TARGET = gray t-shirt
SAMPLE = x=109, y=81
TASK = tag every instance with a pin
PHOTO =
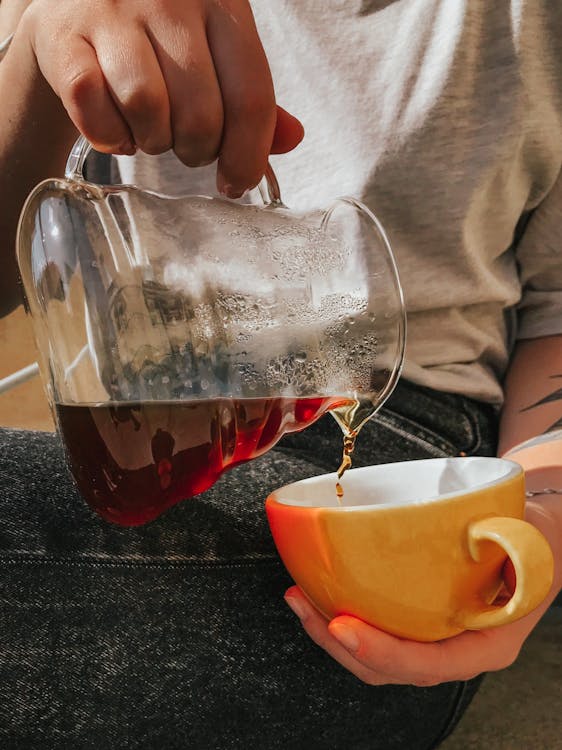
x=444, y=117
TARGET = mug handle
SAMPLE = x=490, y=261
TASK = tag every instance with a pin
x=74, y=170
x=532, y=560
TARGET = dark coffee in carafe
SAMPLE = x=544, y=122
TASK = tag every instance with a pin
x=132, y=461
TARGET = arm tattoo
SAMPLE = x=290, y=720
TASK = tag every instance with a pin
x=556, y=395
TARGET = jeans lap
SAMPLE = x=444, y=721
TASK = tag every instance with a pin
x=175, y=634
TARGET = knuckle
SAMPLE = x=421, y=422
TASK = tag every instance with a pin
x=193, y=156
x=140, y=102
x=81, y=85
x=155, y=145
x=188, y=159
x=199, y=125
x=197, y=137
x=192, y=159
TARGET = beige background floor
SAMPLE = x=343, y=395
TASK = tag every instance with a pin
x=517, y=709
x=24, y=406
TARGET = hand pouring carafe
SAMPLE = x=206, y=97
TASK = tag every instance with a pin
x=179, y=337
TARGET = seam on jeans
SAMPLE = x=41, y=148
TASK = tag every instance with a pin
x=463, y=437
x=423, y=442
x=476, y=431
x=83, y=561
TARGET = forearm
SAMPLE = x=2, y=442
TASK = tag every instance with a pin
x=533, y=392
x=35, y=137
x=533, y=407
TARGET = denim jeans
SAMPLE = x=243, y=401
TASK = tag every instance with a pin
x=175, y=635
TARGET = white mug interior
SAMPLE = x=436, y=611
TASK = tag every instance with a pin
x=402, y=483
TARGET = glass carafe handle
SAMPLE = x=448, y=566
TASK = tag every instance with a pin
x=74, y=170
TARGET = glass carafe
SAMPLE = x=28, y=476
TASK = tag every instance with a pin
x=180, y=336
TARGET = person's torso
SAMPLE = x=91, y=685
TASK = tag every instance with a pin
x=444, y=117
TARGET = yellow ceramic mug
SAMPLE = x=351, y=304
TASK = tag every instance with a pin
x=416, y=548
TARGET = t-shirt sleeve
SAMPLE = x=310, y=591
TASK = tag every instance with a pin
x=539, y=256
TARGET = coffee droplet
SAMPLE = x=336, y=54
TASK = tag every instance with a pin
x=348, y=446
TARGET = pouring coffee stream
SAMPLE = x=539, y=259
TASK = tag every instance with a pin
x=348, y=448
x=181, y=336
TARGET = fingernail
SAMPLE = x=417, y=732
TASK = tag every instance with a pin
x=298, y=607
x=228, y=190
x=231, y=192
x=222, y=187
x=346, y=636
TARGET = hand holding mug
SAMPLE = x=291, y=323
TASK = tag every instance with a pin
x=400, y=589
